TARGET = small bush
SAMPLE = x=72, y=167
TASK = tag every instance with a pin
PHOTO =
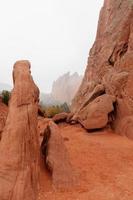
x=5, y=96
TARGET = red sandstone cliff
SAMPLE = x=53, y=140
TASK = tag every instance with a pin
x=109, y=72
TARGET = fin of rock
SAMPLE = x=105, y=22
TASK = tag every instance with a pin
x=57, y=158
x=19, y=147
x=111, y=64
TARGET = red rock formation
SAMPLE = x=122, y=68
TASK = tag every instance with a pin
x=3, y=115
x=42, y=125
x=60, y=117
x=19, y=150
x=111, y=64
x=65, y=87
x=57, y=158
x=95, y=114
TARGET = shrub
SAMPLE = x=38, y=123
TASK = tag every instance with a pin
x=5, y=96
x=51, y=111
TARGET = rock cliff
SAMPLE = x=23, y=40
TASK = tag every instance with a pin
x=19, y=147
x=109, y=71
x=63, y=90
x=65, y=87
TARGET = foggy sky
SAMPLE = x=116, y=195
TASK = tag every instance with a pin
x=54, y=35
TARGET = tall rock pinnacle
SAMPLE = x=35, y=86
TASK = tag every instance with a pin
x=19, y=148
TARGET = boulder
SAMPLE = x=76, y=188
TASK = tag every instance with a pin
x=19, y=147
x=97, y=91
x=61, y=117
x=96, y=114
x=57, y=158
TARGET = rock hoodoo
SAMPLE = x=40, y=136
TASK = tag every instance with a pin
x=109, y=71
x=19, y=147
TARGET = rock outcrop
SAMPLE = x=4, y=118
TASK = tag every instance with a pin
x=19, y=147
x=57, y=158
x=95, y=115
x=63, y=90
x=110, y=64
x=3, y=116
x=65, y=87
x=42, y=125
x=61, y=117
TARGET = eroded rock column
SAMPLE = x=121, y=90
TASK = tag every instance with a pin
x=19, y=147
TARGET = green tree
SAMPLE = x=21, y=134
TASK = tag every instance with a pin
x=65, y=107
x=5, y=96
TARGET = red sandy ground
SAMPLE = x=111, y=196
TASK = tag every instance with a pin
x=103, y=161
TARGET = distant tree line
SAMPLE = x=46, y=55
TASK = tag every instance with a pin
x=51, y=110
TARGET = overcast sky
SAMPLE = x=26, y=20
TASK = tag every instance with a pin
x=54, y=35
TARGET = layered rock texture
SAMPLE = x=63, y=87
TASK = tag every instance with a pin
x=109, y=74
x=19, y=147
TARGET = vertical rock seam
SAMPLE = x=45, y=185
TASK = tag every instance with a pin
x=19, y=147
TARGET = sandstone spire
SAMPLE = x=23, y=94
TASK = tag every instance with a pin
x=19, y=150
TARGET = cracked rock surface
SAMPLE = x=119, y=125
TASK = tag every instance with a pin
x=110, y=64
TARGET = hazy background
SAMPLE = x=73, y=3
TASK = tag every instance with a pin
x=55, y=35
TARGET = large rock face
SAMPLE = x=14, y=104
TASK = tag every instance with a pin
x=111, y=64
x=65, y=87
x=63, y=90
x=19, y=151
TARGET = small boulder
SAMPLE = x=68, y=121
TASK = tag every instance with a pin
x=61, y=117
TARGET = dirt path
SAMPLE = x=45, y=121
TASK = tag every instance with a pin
x=103, y=162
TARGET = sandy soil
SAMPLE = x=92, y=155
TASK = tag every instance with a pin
x=103, y=162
